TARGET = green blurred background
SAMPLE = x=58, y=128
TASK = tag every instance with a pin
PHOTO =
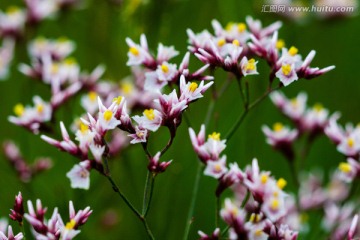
x=99, y=31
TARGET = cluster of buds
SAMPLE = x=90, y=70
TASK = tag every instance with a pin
x=231, y=48
x=24, y=170
x=51, y=65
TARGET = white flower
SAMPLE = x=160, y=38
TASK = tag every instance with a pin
x=89, y=103
x=166, y=71
x=79, y=175
x=140, y=135
x=107, y=120
x=216, y=168
x=97, y=151
x=287, y=73
x=165, y=53
x=191, y=91
x=248, y=67
x=280, y=134
x=150, y=120
x=350, y=145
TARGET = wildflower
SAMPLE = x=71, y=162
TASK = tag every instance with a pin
x=79, y=175
x=166, y=71
x=248, y=67
x=158, y=167
x=216, y=169
x=350, y=145
x=287, y=73
x=107, y=120
x=280, y=134
x=139, y=54
x=140, y=135
x=150, y=120
x=165, y=53
x=191, y=91
x=89, y=102
x=39, y=10
x=12, y=22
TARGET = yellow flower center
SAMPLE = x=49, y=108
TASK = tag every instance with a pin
x=258, y=233
x=127, y=87
x=108, y=115
x=62, y=39
x=281, y=183
x=345, y=167
x=83, y=127
x=19, y=109
x=221, y=42
x=92, y=96
x=254, y=217
x=280, y=44
x=217, y=168
x=214, y=136
x=234, y=211
x=12, y=10
x=40, y=108
x=318, y=107
x=134, y=51
x=70, y=225
x=193, y=86
x=164, y=68
x=70, y=61
x=140, y=134
x=278, y=127
x=250, y=66
x=241, y=27
x=54, y=68
x=293, y=51
x=229, y=26
x=264, y=178
x=275, y=204
x=118, y=100
x=149, y=114
x=236, y=42
x=286, y=69
x=350, y=142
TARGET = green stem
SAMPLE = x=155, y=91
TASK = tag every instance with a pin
x=248, y=107
x=193, y=201
x=217, y=211
x=22, y=229
x=148, y=192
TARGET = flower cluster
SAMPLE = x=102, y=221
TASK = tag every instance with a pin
x=265, y=212
x=51, y=65
x=307, y=120
x=231, y=48
x=42, y=228
x=158, y=71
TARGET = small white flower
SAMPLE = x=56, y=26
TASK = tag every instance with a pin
x=166, y=71
x=216, y=168
x=150, y=120
x=248, y=67
x=287, y=73
x=79, y=175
